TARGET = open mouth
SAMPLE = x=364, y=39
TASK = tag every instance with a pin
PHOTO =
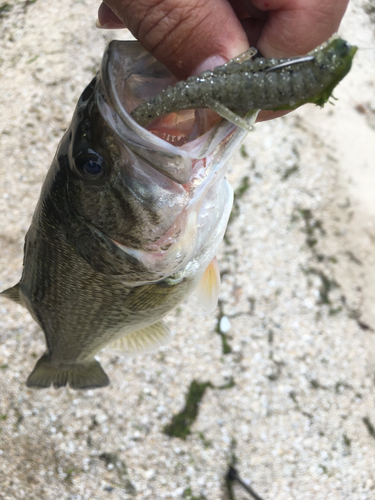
x=183, y=126
x=131, y=76
x=190, y=147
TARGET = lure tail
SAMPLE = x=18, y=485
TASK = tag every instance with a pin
x=89, y=375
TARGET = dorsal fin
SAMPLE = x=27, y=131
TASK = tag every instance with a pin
x=13, y=294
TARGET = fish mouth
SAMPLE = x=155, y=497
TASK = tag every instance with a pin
x=132, y=76
x=189, y=148
x=170, y=144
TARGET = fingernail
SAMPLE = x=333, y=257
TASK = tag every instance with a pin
x=109, y=26
x=209, y=63
x=100, y=26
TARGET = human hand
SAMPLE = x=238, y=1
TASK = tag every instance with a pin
x=190, y=36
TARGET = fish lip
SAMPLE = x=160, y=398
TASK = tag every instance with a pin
x=170, y=160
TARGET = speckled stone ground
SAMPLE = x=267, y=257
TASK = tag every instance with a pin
x=290, y=377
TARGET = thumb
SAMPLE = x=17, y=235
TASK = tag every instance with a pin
x=183, y=34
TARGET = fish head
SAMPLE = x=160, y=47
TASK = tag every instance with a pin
x=110, y=186
x=158, y=195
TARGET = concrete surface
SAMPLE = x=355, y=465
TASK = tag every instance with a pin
x=290, y=384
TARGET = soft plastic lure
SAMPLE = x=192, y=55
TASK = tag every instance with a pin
x=242, y=86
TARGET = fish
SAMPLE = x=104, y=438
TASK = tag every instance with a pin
x=130, y=217
x=126, y=226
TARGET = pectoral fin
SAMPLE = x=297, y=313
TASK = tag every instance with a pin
x=13, y=294
x=88, y=375
x=208, y=288
x=143, y=340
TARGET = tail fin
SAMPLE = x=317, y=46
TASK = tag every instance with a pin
x=12, y=294
x=88, y=375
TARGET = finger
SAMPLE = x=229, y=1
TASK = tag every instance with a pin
x=292, y=27
x=253, y=11
x=264, y=116
x=183, y=34
x=253, y=28
x=107, y=19
x=295, y=27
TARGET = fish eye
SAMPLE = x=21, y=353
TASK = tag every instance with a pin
x=92, y=167
x=90, y=164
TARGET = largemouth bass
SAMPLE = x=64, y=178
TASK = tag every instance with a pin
x=129, y=220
